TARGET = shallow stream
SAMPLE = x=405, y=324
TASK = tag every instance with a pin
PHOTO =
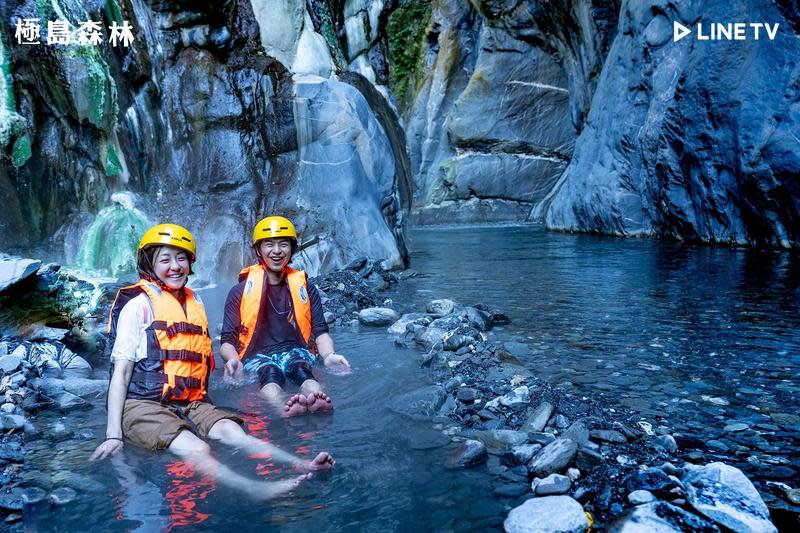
x=693, y=338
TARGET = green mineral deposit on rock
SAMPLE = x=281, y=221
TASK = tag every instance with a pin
x=21, y=151
x=111, y=162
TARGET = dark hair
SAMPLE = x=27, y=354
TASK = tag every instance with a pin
x=145, y=260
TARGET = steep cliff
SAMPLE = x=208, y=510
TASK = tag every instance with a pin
x=210, y=119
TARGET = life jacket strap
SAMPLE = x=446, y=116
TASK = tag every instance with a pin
x=181, y=355
x=178, y=327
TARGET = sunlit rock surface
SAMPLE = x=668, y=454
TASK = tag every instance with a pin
x=206, y=121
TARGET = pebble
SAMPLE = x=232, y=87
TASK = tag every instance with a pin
x=639, y=497
x=561, y=422
x=573, y=474
x=537, y=417
x=467, y=394
x=554, y=457
x=470, y=453
x=717, y=445
x=733, y=428
x=666, y=443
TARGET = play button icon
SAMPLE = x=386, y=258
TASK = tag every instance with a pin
x=679, y=31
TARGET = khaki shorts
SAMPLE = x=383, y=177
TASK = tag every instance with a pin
x=154, y=426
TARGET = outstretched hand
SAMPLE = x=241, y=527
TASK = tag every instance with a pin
x=233, y=370
x=337, y=363
x=106, y=449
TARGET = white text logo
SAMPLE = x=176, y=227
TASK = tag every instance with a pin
x=726, y=31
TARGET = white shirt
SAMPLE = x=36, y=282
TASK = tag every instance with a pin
x=132, y=323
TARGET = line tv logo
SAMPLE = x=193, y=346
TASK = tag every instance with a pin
x=726, y=31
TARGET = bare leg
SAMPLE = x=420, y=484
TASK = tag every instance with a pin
x=293, y=406
x=191, y=448
x=230, y=433
x=317, y=400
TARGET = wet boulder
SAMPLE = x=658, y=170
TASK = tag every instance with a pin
x=470, y=453
x=552, y=485
x=725, y=495
x=419, y=404
x=14, y=270
x=546, y=515
x=554, y=457
x=440, y=308
x=377, y=316
x=400, y=326
x=10, y=363
x=661, y=517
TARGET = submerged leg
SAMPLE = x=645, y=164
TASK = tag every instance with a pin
x=231, y=433
x=192, y=449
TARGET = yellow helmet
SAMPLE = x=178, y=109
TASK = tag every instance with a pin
x=169, y=234
x=272, y=227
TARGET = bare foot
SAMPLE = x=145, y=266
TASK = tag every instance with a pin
x=322, y=461
x=273, y=489
x=295, y=406
x=318, y=402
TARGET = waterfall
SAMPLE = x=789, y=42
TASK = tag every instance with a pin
x=109, y=245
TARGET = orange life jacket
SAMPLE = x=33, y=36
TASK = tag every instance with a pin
x=179, y=358
x=254, y=298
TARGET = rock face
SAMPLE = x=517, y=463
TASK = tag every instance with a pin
x=204, y=102
x=725, y=495
x=547, y=514
x=601, y=122
x=688, y=139
x=477, y=162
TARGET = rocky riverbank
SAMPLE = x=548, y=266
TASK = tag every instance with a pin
x=562, y=461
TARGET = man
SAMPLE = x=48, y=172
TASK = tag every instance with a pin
x=161, y=360
x=274, y=324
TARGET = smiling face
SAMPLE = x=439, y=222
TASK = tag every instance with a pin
x=276, y=253
x=172, y=267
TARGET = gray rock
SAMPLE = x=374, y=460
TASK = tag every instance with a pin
x=3, y=348
x=524, y=452
x=519, y=396
x=400, y=326
x=429, y=337
x=420, y=404
x=725, y=495
x=573, y=474
x=15, y=269
x=330, y=318
x=733, y=428
x=86, y=387
x=377, y=316
x=11, y=501
x=510, y=490
x=49, y=386
x=639, y=497
x=63, y=495
x=8, y=408
x=561, y=422
x=45, y=333
x=553, y=484
x=547, y=515
x=660, y=517
x=470, y=453
x=467, y=394
x=448, y=407
x=502, y=439
x=666, y=443
x=541, y=438
x=537, y=417
x=477, y=319
x=11, y=422
x=577, y=432
x=440, y=308
x=10, y=363
x=75, y=365
x=12, y=452
x=554, y=457
x=608, y=435
x=33, y=495
x=66, y=401
x=587, y=460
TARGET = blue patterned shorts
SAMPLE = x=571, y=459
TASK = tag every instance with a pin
x=296, y=364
